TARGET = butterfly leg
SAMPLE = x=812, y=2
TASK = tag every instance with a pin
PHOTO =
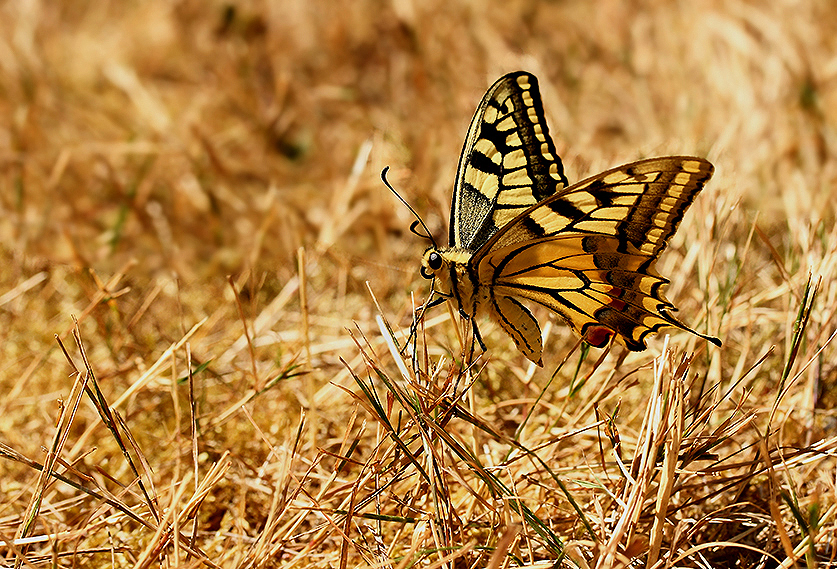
x=477, y=339
x=414, y=326
x=477, y=335
x=436, y=301
x=430, y=304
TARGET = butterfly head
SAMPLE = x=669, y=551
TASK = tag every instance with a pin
x=436, y=264
x=448, y=267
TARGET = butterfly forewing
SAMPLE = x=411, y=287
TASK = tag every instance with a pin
x=641, y=204
x=508, y=162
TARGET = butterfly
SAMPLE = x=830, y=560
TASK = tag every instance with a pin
x=586, y=251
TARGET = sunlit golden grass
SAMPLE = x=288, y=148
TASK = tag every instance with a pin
x=197, y=184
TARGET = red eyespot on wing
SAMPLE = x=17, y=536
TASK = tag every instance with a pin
x=598, y=336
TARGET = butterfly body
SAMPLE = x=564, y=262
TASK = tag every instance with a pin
x=519, y=231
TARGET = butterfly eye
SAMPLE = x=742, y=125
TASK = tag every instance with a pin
x=434, y=263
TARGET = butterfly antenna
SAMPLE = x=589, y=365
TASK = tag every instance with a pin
x=418, y=221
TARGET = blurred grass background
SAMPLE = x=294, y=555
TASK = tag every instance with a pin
x=150, y=150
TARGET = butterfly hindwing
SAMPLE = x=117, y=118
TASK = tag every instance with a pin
x=508, y=162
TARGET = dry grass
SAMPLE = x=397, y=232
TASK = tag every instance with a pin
x=150, y=150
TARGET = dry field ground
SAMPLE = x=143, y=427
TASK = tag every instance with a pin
x=203, y=281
